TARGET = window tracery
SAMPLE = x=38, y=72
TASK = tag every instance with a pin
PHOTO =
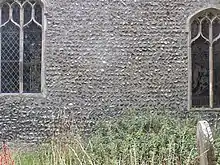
x=21, y=30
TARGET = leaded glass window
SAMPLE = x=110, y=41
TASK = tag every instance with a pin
x=20, y=46
x=204, y=48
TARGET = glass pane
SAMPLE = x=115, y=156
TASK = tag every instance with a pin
x=10, y=77
x=32, y=58
x=216, y=85
x=21, y=1
x=216, y=28
x=5, y=13
x=200, y=73
x=10, y=42
x=211, y=15
x=16, y=13
x=27, y=12
x=10, y=58
x=32, y=1
x=194, y=28
x=205, y=28
x=38, y=13
x=10, y=1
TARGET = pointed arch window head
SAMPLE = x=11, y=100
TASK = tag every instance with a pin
x=204, y=59
x=21, y=32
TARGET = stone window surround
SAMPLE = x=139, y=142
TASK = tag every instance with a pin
x=44, y=4
x=188, y=30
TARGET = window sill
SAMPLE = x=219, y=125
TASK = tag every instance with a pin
x=204, y=109
x=23, y=94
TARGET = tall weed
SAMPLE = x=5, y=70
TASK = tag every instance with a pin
x=132, y=139
x=144, y=139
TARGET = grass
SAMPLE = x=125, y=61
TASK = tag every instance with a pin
x=132, y=139
x=146, y=138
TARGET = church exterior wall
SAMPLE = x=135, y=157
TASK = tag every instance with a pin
x=101, y=58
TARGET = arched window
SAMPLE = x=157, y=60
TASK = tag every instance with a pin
x=21, y=39
x=204, y=59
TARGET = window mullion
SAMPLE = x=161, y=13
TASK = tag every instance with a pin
x=211, y=67
x=189, y=71
x=21, y=55
x=42, y=81
x=0, y=51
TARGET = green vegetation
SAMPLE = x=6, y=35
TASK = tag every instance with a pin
x=133, y=139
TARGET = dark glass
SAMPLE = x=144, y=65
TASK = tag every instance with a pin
x=32, y=1
x=200, y=73
x=216, y=28
x=194, y=28
x=38, y=13
x=10, y=1
x=210, y=15
x=216, y=62
x=27, y=12
x=5, y=13
x=21, y=1
x=205, y=28
x=16, y=13
x=32, y=58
